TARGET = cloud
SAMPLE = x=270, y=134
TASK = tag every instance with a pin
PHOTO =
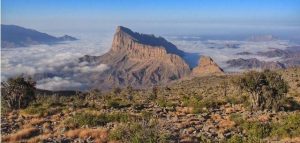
x=59, y=83
x=222, y=50
x=59, y=60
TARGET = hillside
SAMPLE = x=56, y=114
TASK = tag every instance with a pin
x=201, y=109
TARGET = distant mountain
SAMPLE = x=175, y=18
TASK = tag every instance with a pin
x=254, y=63
x=139, y=60
x=244, y=53
x=207, y=66
x=262, y=38
x=274, y=53
x=15, y=36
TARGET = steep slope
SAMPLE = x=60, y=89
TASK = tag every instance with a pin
x=13, y=36
x=206, y=66
x=138, y=60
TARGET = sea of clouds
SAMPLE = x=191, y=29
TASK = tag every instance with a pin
x=60, y=61
x=57, y=67
x=224, y=50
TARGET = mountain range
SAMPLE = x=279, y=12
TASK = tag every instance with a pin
x=289, y=57
x=13, y=36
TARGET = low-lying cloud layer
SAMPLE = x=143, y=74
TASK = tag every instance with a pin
x=55, y=66
x=224, y=50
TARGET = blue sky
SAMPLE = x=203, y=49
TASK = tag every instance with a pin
x=146, y=15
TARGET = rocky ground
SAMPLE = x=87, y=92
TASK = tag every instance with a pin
x=196, y=110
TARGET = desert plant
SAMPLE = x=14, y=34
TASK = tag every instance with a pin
x=18, y=92
x=266, y=89
x=287, y=127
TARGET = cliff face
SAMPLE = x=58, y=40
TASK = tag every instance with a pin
x=139, y=60
x=206, y=66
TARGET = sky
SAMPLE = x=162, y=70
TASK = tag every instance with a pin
x=181, y=16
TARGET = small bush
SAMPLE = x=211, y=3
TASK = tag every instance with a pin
x=287, y=127
x=235, y=139
x=117, y=103
x=92, y=120
x=256, y=131
x=42, y=109
x=198, y=103
x=137, y=133
x=163, y=102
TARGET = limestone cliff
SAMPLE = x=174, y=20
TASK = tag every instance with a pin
x=139, y=60
x=206, y=66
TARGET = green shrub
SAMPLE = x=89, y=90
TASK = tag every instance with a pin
x=92, y=120
x=198, y=103
x=256, y=131
x=117, y=103
x=18, y=92
x=266, y=89
x=235, y=139
x=288, y=126
x=42, y=109
x=164, y=102
x=137, y=133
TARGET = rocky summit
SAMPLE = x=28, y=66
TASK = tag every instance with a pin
x=139, y=60
x=207, y=66
x=142, y=60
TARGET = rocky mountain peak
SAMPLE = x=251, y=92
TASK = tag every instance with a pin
x=207, y=66
x=148, y=45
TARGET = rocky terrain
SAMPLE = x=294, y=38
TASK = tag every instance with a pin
x=142, y=60
x=15, y=36
x=203, y=109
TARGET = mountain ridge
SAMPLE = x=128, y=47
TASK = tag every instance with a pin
x=13, y=36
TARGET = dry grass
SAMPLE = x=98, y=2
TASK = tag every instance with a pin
x=39, y=138
x=98, y=134
x=21, y=135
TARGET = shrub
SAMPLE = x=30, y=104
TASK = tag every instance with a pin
x=42, y=109
x=137, y=133
x=235, y=139
x=117, y=103
x=92, y=120
x=18, y=92
x=287, y=127
x=198, y=103
x=164, y=102
x=256, y=131
x=266, y=89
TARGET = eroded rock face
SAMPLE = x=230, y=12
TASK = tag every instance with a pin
x=139, y=60
x=206, y=66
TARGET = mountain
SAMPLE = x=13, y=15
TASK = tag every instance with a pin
x=207, y=66
x=274, y=53
x=262, y=38
x=13, y=36
x=138, y=60
x=254, y=63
